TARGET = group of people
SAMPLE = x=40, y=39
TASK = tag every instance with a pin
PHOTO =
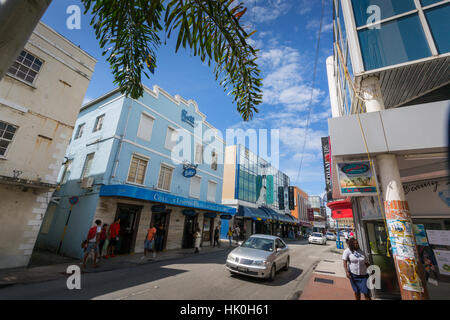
x=101, y=240
x=234, y=233
x=154, y=240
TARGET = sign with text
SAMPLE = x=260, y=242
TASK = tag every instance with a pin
x=326, y=153
x=356, y=178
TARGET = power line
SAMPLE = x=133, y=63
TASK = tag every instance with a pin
x=312, y=90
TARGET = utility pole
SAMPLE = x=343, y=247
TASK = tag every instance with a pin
x=18, y=20
x=410, y=273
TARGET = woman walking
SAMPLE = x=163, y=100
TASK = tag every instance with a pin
x=197, y=240
x=355, y=266
x=230, y=234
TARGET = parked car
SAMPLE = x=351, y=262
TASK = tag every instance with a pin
x=330, y=236
x=317, y=237
x=260, y=256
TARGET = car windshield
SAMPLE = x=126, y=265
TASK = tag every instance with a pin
x=330, y=234
x=317, y=235
x=258, y=243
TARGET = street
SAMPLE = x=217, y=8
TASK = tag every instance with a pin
x=196, y=277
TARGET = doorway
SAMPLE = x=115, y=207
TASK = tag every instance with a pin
x=158, y=219
x=129, y=216
x=208, y=227
x=190, y=224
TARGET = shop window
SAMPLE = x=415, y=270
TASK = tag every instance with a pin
x=26, y=67
x=7, y=132
x=396, y=42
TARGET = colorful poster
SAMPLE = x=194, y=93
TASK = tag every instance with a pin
x=356, y=179
x=420, y=234
x=409, y=277
x=443, y=261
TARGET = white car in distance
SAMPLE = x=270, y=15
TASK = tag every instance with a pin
x=317, y=237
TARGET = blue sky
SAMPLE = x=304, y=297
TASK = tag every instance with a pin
x=287, y=37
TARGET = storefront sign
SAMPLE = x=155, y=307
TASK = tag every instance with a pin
x=443, y=261
x=439, y=237
x=431, y=197
x=326, y=153
x=356, y=179
x=188, y=119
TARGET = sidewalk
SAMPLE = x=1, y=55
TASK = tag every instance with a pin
x=15, y=276
x=328, y=282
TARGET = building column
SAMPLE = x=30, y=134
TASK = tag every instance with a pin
x=409, y=270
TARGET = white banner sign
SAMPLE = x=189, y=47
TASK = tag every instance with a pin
x=439, y=237
x=443, y=261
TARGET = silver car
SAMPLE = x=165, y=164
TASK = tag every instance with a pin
x=260, y=256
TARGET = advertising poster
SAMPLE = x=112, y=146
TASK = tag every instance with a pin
x=356, y=179
x=408, y=274
x=443, y=261
x=420, y=234
x=439, y=237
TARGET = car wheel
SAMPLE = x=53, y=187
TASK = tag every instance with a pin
x=273, y=271
x=286, y=267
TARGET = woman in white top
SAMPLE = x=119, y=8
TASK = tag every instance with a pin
x=197, y=240
x=355, y=266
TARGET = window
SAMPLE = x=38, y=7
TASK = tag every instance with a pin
x=437, y=18
x=87, y=165
x=170, y=138
x=66, y=172
x=165, y=177
x=198, y=153
x=195, y=187
x=26, y=67
x=7, y=132
x=145, y=127
x=79, y=132
x=99, y=123
x=388, y=8
x=212, y=187
x=214, y=157
x=138, y=168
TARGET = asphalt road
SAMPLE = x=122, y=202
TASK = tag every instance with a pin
x=197, y=277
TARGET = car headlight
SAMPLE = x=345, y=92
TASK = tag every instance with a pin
x=231, y=257
x=260, y=263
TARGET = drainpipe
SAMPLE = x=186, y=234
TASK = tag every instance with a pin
x=116, y=157
x=410, y=273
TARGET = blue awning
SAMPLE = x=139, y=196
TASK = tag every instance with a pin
x=252, y=213
x=226, y=216
x=272, y=214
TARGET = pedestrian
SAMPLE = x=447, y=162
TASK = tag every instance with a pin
x=216, y=237
x=160, y=232
x=113, y=238
x=149, y=241
x=103, y=239
x=93, y=240
x=236, y=233
x=230, y=234
x=355, y=266
x=197, y=240
x=352, y=235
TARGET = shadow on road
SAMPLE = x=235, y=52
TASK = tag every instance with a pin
x=282, y=277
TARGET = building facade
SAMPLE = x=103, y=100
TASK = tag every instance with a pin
x=390, y=101
x=40, y=98
x=144, y=162
x=258, y=191
x=317, y=205
x=300, y=212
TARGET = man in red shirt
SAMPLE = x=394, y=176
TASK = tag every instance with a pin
x=149, y=241
x=114, y=237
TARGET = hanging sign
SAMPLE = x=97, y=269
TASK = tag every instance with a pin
x=269, y=189
x=189, y=170
x=356, y=179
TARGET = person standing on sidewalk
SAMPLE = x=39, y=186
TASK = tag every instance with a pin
x=93, y=240
x=230, y=235
x=160, y=238
x=197, y=240
x=103, y=238
x=355, y=266
x=236, y=233
x=113, y=238
x=216, y=237
x=149, y=241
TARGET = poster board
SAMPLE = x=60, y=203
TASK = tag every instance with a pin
x=443, y=261
x=356, y=178
x=439, y=237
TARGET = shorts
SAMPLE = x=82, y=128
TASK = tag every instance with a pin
x=359, y=283
x=148, y=244
x=113, y=242
x=92, y=246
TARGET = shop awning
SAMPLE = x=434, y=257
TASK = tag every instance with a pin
x=272, y=214
x=252, y=213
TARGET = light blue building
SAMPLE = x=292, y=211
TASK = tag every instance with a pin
x=154, y=160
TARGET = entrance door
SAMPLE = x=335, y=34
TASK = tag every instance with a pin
x=162, y=218
x=377, y=238
x=190, y=223
x=208, y=225
x=129, y=220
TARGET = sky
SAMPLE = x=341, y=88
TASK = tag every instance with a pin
x=286, y=36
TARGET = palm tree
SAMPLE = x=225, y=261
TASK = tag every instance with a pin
x=130, y=32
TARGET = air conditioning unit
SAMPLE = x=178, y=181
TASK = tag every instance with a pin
x=87, y=182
